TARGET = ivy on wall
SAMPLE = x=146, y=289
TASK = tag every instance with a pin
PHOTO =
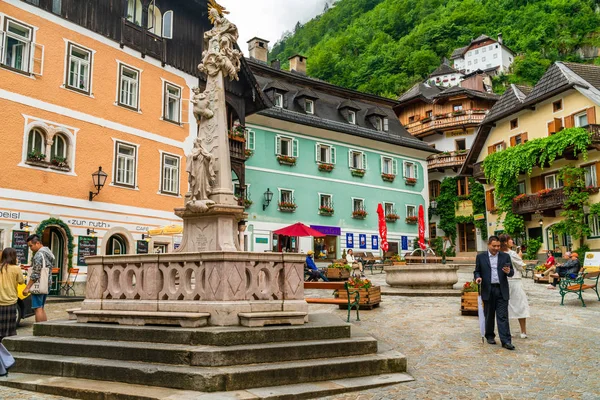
x=60, y=223
x=502, y=169
x=448, y=201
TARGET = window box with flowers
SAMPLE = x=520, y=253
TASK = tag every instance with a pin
x=359, y=214
x=325, y=167
x=388, y=177
x=357, y=172
x=412, y=220
x=478, y=111
x=457, y=113
x=544, y=192
x=468, y=298
x=440, y=116
x=519, y=198
x=397, y=259
x=424, y=120
x=287, y=206
x=248, y=153
x=286, y=160
x=247, y=203
x=59, y=163
x=36, y=158
x=392, y=217
x=326, y=211
x=238, y=132
x=410, y=181
x=592, y=189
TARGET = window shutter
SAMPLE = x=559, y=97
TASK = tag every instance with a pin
x=597, y=172
x=491, y=150
x=332, y=154
x=513, y=141
x=285, y=100
x=381, y=163
x=294, y=147
x=317, y=152
x=416, y=169
x=251, y=140
x=277, y=145
x=551, y=129
x=364, y=161
x=558, y=124
x=167, y=25
x=503, y=145
x=524, y=137
x=537, y=184
x=350, y=165
x=489, y=200
x=37, y=65
x=404, y=170
x=569, y=121
x=1, y=46
x=395, y=167
x=591, y=115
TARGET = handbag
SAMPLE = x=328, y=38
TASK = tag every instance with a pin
x=6, y=360
x=41, y=286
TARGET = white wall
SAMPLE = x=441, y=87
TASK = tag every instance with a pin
x=444, y=143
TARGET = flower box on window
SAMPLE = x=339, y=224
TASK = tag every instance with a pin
x=359, y=214
x=357, y=172
x=392, y=217
x=457, y=113
x=425, y=120
x=410, y=181
x=326, y=210
x=248, y=153
x=286, y=160
x=544, y=192
x=388, y=177
x=325, y=167
x=519, y=198
x=478, y=111
x=287, y=206
x=247, y=203
x=238, y=133
x=591, y=189
x=37, y=159
x=412, y=220
x=59, y=163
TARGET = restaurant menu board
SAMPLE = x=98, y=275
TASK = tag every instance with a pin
x=592, y=261
x=142, y=247
x=19, y=243
x=86, y=246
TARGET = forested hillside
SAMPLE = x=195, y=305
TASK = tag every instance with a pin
x=385, y=46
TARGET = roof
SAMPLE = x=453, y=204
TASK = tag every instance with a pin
x=423, y=90
x=456, y=90
x=513, y=97
x=481, y=38
x=348, y=104
x=306, y=92
x=457, y=53
x=257, y=38
x=375, y=111
x=443, y=69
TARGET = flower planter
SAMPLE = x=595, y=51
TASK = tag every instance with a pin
x=287, y=209
x=369, y=298
x=410, y=181
x=237, y=138
x=248, y=153
x=291, y=163
x=359, y=216
x=326, y=213
x=421, y=276
x=339, y=274
x=37, y=163
x=64, y=168
x=358, y=172
x=325, y=167
x=468, y=303
x=411, y=221
x=247, y=203
x=398, y=262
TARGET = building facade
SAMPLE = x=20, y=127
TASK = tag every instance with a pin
x=329, y=156
x=567, y=96
x=483, y=53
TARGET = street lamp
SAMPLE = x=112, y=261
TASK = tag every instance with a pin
x=268, y=197
x=145, y=237
x=91, y=232
x=433, y=204
x=99, y=179
x=25, y=226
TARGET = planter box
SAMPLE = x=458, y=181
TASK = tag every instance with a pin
x=340, y=274
x=468, y=303
x=410, y=182
x=358, y=172
x=325, y=167
x=369, y=298
x=284, y=162
x=545, y=279
x=237, y=138
x=325, y=213
x=398, y=262
x=36, y=163
x=388, y=178
x=359, y=216
x=287, y=209
x=59, y=168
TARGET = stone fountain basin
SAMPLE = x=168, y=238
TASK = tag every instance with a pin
x=422, y=276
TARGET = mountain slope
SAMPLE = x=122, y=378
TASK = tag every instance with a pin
x=384, y=46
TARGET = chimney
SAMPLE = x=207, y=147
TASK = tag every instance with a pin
x=258, y=49
x=298, y=64
x=276, y=64
x=500, y=38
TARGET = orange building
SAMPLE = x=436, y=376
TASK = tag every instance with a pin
x=111, y=91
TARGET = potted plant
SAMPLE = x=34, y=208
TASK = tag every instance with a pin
x=286, y=160
x=397, y=259
x=287, y=206
x=59, y=163
x=326, y=210
x=457, y=113
x=388, y=177
x=424, y=120
x=338, y=271
x=369, y=295
x=544, y=192
x=359, y=214
x=238, y=132
x=357, y=172
x=392, y=217
x=412, y=220
x=248, y=153
x=410, y=181
x=519, y=198
x=591, y=189
x=36, y=156
x=325, y=167
x=247, y=203
x=468, y=298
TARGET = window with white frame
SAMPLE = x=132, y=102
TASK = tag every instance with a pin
x=36, y=141
x=389, y=165
x=495, y=55
x=594, y=223
x=16, y=43
x=499, y=146
x=286, y=146
x=521, y=188
x=483, y=49
x=457, y=107
x=325, y=200
x=388, y=208
x=79, y=64
x=552, y=182
x=58, y=151
x=134, y=12
x=379, y=123
x=411, y=211
x=172, y=99
x=410, y=170
x=358, y=204
x=325, y=154
x=250, y=139
x=591, y=180
x=581, y=119
x=352, y=117
x=170, y=174
x=309, y=106
x=386, y=125
x=357, y=159
x=129, y=79
x=154, y=20
x=278, y=100
x=125, y=163
x=286, y=196
x=240, y=191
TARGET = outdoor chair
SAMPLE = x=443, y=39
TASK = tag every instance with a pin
x=67, y=284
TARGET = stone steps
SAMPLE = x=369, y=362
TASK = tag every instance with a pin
x=211, y=379
x=193, y=355
x=92, y=389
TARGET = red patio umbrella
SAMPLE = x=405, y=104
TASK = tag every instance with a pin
x=298, y=229
x=382, y=228
x=421, y=227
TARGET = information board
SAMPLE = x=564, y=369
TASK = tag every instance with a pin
x=86, y=246
x=19, y=243
x=592, y=261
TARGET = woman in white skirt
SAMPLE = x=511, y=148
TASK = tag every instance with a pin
x=518, y=306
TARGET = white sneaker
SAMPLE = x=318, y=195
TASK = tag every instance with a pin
x=523, y=336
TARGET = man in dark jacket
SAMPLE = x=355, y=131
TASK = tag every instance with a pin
x=492, y=270
x=570, y=267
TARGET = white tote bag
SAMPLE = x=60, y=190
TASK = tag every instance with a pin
x=41, y=286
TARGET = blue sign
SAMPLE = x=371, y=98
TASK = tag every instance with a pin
x=375, y=242
x=350, y=240
x=328, y=230
x=362, y=240
x=404, y=242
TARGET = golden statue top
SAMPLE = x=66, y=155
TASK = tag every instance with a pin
x=212, y=4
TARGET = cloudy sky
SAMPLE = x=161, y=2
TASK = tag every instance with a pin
x=268, y=19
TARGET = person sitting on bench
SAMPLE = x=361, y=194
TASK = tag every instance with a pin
x=354, y=263
x=314, y=272
x=570, y=267
x=550, y=266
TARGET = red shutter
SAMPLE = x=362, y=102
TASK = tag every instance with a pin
x=491, y=150
x=591, y=115
x=558, y=125
x=569, y=121
x=513, y=141
x=524, y=137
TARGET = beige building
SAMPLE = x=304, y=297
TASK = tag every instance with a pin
x=568, y=95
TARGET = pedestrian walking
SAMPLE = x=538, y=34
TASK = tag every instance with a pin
x=518, y=305
x=42, y=258
x=492, y=270
x=10, y=278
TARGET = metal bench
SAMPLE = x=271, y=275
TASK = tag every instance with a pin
x=335, y=286
x=578, y=285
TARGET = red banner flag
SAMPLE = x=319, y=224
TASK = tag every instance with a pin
x=382, y=228
x=421, y=227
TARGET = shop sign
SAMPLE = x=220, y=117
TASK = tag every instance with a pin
x=19, y=243
x=464, y=208
x=375, y=242
x=142, y=247
x=404, y=242
x=362, y=240
x=262, y=240
x=592, y=260
x=10, y=215
x=350, y=240
x=478, y=217
x=328, y=230
x=86, y=246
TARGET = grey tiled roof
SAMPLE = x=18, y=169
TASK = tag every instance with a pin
x=423, y=90
x=276, y=85
x=552, y=80
x=454, y=90
x=589, y=73
x=443, y=69
x=348, y=104
x=480, y=38
x=457, y=53
x=511, y=100
x=306, y=92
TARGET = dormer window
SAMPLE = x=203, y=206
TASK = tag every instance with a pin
x=379, y=123
x=386, y=124
x=352, y=117
x=309, y=106
x=278, y=100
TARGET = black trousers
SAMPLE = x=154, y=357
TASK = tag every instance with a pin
x=496, y=308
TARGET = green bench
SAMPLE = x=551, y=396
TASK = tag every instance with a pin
x=338, y=301
x=578, y=285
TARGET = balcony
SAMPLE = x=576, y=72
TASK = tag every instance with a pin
x=440, y=162
x=446, y=121
x=142, y=40
x=552, y=200
x=237, y=149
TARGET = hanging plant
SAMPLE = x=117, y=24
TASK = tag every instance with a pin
x=60, y=223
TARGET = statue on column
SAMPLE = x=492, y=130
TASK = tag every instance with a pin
x=201, y=176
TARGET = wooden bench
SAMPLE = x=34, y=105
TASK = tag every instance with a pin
x=341, y=302
x=578, y=285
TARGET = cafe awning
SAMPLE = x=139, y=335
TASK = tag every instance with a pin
x=166, y=230
x=298, y=229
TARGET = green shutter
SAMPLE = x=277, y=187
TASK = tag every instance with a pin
x=277, y=145
x=364, y=158
x=294, y=148
x=250, y=140
x=394, y=166
x=332, y=154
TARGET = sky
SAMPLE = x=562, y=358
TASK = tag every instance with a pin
x=269, y=19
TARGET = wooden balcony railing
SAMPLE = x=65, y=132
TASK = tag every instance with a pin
x=595, y=131
x=447, y=121
x=236, y=148
x=442, y=161
x=141, y=39
x=553, y=200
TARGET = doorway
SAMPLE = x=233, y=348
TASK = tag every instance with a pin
x=53, y=238
x=116, y=245
x=466, y=238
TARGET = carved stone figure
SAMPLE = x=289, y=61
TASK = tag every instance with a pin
x=201, y=105
x=201, y=176
x=220, y=53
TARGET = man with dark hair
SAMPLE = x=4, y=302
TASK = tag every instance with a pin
x=41, y=255
x=492, y=270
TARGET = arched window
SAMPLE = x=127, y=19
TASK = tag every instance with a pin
x=134, y=11
x=116, y=246
x=59, y=148
x=154, y=20
x=36, y=142
x=434, y=189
